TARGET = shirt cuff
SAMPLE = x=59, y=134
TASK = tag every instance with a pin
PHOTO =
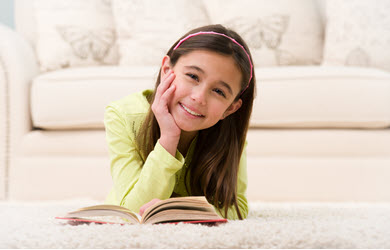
x=164, y=155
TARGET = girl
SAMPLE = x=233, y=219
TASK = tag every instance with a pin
x=186, y=137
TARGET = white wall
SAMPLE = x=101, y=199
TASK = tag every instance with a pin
x=7, y=13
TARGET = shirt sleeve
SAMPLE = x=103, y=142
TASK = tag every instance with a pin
x=242, y=183
x=137, y=182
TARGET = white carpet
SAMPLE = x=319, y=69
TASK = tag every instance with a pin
x=270, y=225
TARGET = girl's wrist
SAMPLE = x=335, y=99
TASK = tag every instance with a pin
x=170, y=143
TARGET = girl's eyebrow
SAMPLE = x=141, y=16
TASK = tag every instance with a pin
x=202, y=71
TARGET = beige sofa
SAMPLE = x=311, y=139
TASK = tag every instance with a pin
x=319, y=130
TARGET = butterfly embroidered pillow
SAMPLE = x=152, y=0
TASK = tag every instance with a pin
x=358, y=33
x=74, y=33
x=148, y=28
x=278, y=32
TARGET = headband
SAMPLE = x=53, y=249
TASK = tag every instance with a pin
x=233, y=40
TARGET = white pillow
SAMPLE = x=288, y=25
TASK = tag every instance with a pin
x=74, y=33
x=358, y=33
x=278, y=32
x=147, y=28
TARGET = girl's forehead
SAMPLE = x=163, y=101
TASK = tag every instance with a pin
x=209, y=60
x=199, y=54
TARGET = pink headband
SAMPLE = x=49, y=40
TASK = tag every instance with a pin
x=215, y=33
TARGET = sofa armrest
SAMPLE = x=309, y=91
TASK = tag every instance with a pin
x=18, y=66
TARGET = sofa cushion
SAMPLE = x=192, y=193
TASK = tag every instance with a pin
x=74, y=33
x=285, y=32
x=76, y=98
x=152, y=27
x=287, y=97
x=358, y=33
x=322, y=97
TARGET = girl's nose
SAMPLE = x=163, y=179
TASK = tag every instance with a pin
x=199, y=95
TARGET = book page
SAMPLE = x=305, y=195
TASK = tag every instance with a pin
x=189, y=201
x=95, y=219
x=85, y=213
x=175, y=215
x=187, y=205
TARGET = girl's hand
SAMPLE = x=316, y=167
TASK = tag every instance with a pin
x=146, y=205
x=170, y=132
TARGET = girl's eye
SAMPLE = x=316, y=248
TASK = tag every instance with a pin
x=220, y=92
x=195, y=77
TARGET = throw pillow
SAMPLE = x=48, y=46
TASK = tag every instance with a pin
x=74, y=33
x=358, y=33
x=147, y=28
x=279, y=32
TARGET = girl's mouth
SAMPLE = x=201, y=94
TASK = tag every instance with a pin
x=190, y=111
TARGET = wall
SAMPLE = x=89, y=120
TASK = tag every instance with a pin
x=7, y=13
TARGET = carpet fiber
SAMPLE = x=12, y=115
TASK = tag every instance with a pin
x=269, y=225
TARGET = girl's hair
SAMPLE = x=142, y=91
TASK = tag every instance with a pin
x=216, y=158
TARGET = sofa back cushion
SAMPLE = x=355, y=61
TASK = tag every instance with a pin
x=358, y=34
x=69, y=33
x=74, y=33
x=278, y=32
x=148, y=28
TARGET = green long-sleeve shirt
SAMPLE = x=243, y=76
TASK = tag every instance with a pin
x=136, y=181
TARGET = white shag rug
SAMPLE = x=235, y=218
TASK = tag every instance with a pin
x=269, y=225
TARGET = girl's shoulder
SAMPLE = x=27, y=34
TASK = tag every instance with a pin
x=133, y=104
x=127, y=113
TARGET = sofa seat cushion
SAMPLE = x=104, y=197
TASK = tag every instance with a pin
x=75, y=98
x=322, y=97
x=287, y=97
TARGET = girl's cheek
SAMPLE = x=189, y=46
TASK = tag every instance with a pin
x=179, y=82
x=178, y=77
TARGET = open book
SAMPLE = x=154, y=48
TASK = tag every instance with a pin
x=192, y=209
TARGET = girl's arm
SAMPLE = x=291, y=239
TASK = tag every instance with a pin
x=136, y=182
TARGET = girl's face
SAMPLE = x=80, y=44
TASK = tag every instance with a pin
x=206, y=86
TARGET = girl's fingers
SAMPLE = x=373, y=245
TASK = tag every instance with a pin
x=164, y=85
x=167, y=81
x=168, y=93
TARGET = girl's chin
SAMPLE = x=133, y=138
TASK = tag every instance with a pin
x=187, y=129
x=186, y=126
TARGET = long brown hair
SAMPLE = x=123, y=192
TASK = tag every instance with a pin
x=214, y=168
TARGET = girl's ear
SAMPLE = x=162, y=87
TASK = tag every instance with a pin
x=166, y=65
x=232, y=108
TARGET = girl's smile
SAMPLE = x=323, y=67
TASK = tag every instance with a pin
x=191, y=112
x=207, y=84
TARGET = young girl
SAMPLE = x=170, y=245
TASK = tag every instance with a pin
x=186, y=137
